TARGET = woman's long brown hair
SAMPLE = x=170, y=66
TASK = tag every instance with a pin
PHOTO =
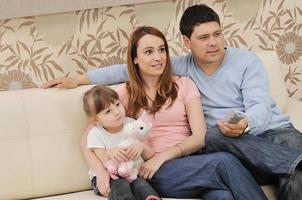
x=167, y=89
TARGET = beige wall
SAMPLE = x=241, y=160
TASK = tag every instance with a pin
x=17, y=8
x=39, y=48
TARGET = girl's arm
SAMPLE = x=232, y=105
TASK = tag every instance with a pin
x=101, y=154
x=96, y=166
x=92, y=160
x=190, y=145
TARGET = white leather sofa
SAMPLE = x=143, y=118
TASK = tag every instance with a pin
x=40, y=132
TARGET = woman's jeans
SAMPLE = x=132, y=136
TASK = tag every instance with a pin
x=270, y=156
x=208, y=176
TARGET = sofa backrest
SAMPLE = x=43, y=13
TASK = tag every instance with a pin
x=39, y=142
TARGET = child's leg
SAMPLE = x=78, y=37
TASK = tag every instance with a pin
x=120, y=190
x=143, y=190
x=94, y=187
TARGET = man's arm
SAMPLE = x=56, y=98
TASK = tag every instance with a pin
x=109, y=75
x=256, y=97
x=67, y=82
x=112, y=74
x=105, y=75
x=181, y=64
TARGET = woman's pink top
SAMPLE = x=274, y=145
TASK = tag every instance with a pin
x=170, y=125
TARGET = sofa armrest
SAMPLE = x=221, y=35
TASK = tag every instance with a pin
x=294, y=110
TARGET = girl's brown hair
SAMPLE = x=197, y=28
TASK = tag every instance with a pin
x=167, y=89
x=98, y=99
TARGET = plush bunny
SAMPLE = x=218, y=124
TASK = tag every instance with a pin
x=134, y=132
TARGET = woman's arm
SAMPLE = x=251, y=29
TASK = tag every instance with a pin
x=139, y=149
x=190, y=145
x=198, y=127
x=148, y=152
x=101, y=154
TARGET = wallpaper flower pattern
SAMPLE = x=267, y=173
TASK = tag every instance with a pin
x=32, y=53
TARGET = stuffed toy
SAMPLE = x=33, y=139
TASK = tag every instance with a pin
x=134, y=132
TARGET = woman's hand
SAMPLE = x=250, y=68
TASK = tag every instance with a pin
x=150, y=167
x=118, y=154
x=135, y=150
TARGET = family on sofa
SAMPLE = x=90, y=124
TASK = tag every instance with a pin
x=196, y=154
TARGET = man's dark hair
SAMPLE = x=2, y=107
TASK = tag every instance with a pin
x=195, y=15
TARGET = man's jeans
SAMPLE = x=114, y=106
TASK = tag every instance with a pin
x=216, y=176
x=274, y=152
x=269, y=156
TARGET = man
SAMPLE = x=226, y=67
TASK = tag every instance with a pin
x=229, y=79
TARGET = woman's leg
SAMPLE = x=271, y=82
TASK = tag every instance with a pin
x=143, y=190
x=191, y=176
x=120, y=190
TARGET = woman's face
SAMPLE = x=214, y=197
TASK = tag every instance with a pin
x=151, y=56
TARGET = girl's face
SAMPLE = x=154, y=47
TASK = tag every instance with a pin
x=112, y=118
x=151, y=56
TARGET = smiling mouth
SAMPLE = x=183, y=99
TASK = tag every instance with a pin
x=214, y=51
x=157, y=66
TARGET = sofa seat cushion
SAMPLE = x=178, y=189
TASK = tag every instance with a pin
x=86, y=195
x=269, y=190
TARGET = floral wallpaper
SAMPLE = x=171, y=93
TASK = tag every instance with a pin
x=39, y=48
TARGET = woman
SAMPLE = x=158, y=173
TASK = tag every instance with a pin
x=178, y=129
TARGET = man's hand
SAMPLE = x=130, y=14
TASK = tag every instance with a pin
x=150, y=167
x=118, y=154
x=67, y=82
x=233, y=130
x=135, y=150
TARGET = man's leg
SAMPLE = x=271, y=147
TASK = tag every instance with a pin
x=289, y=185
x=286, y=136
x=120, y=190
x=262, y=154
x=255, y=152
x=194, y=176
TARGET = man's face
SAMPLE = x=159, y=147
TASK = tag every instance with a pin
x=206, y=44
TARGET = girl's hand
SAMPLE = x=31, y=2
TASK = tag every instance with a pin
x=150, y=167
x=103, y=183
x=118, y=154
x=135, y=150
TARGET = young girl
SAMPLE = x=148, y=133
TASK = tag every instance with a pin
x=106, y=112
